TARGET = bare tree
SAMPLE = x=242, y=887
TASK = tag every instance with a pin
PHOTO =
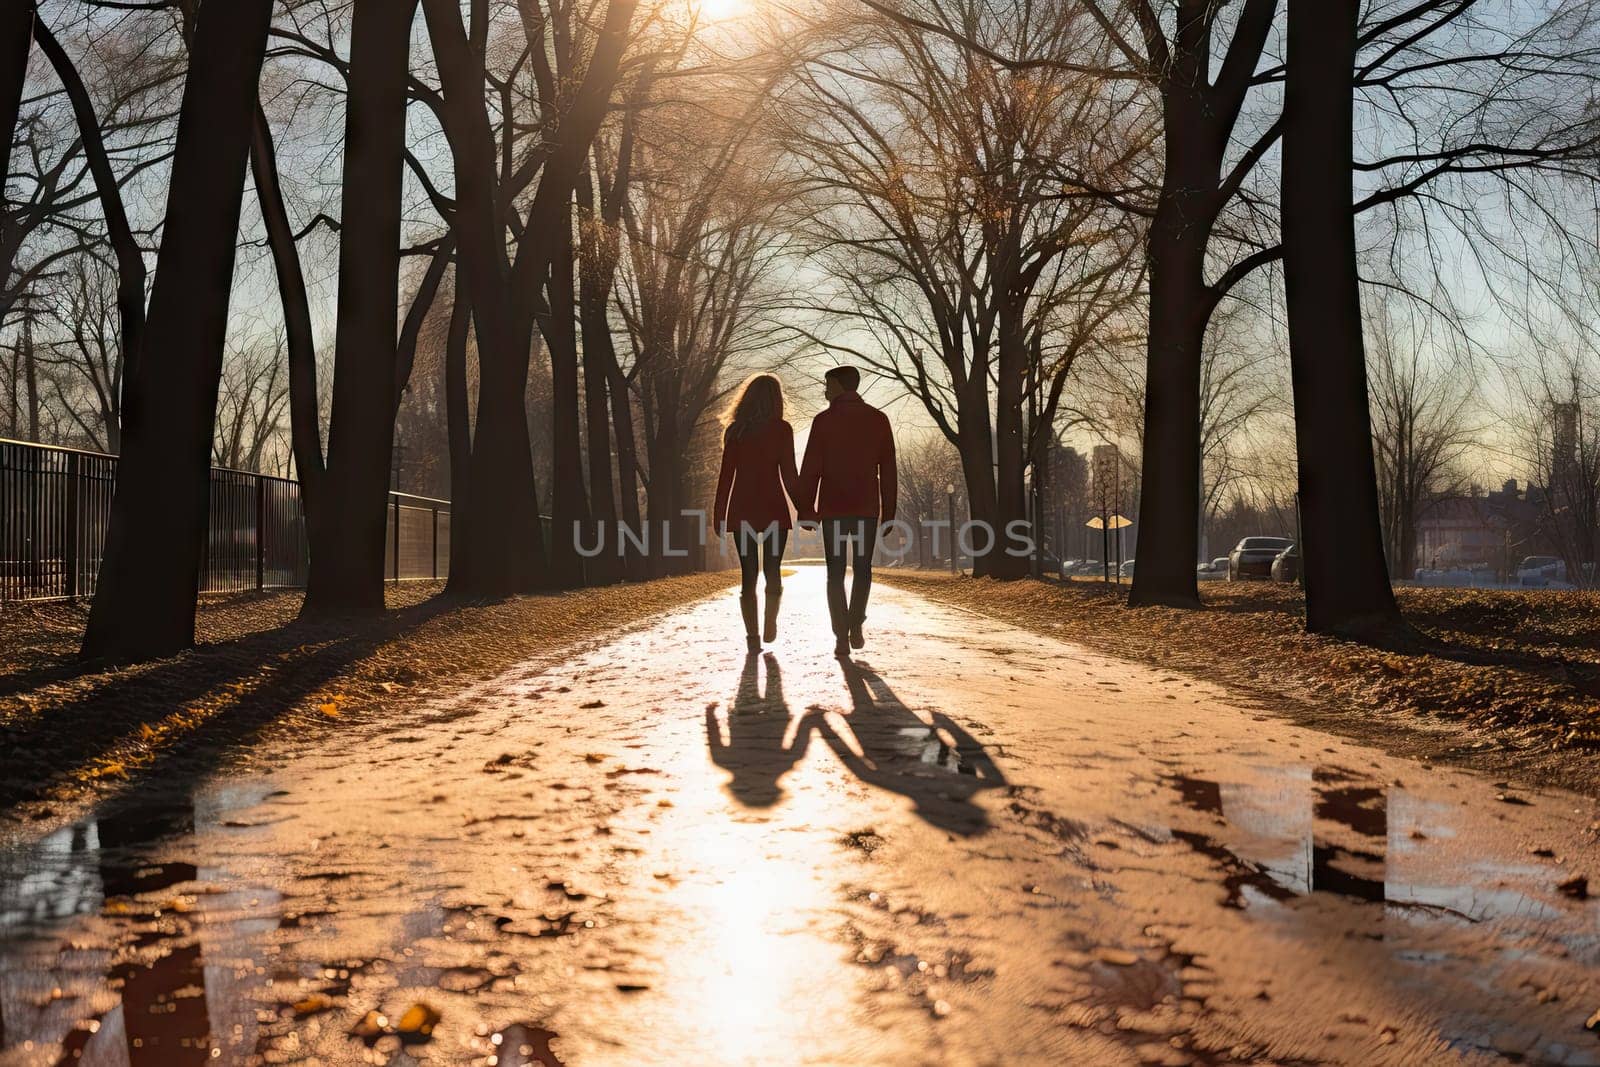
x=929, y=475
x=702, y=242
x=499, y=519
x=89, y=355
x=145, y=600
x=961, y=268
x=1421, y=429
x=252, y=400
x=347, y=524
x=1559, y=438
x=1347, y=584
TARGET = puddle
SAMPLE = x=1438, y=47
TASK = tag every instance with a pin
x=151, y=956
x=1295, y=833
x=934, y=747
x=119, y=944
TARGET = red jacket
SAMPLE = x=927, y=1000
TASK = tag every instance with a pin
x=756, y=470
x=851, y=457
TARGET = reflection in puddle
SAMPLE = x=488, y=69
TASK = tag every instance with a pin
x=1295, y=832
x=160, y=1017
x=935, y=747
x=106, y=942
x=116, y=949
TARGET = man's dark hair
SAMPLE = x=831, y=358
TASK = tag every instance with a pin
x=847, y=377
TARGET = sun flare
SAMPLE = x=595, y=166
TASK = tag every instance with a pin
x=718, y=10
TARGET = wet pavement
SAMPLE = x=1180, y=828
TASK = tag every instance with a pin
x=972, y=846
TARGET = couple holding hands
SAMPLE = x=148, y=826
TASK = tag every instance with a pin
x=846, y=485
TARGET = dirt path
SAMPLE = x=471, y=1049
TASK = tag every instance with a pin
x=973, y=846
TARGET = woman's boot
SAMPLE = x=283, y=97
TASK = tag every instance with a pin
x=769, y=632
x=747, y=608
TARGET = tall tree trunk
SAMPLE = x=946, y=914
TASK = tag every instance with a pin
x=599, y=355
x=633, y=561
x=607, y=567
x=975, y=448
x=502, y=543
x=458, y=427
x=305, y=423
x=16, y=36
x=569, y=505
x=975, y=444
x=1180, y=305
x=30, y=371
x=1011, y=503
x=505, y=540
x=1201, y=101
x=1341, y=552
x=348, y=532
x=670, y=531
x=150, y=573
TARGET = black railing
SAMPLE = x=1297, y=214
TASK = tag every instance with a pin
x=55, y=504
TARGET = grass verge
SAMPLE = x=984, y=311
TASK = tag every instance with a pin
x=1507, y=680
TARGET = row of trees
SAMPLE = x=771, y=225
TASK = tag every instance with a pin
x=599, y=250
x=1256, y=105
x=559, y=228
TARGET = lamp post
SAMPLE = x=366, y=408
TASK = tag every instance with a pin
x=950, y=496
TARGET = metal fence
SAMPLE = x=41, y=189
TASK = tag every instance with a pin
x=55, y=504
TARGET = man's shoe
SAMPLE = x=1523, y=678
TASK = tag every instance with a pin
x=857, y=638
x=841, y=648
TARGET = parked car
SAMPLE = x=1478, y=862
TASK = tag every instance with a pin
x=1252, y=557
x=1215, y=571
x=1127, y=569
x=1541, y=571
x=1286, y=565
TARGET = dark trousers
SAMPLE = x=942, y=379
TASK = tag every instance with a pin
x=858, y=536
x=761, y=550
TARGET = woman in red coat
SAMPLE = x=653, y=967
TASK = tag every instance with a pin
x=757, y=471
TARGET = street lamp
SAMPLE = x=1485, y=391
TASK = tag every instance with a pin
x=950, y=495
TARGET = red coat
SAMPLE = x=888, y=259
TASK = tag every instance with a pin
x=850, y=456
x=756, y=470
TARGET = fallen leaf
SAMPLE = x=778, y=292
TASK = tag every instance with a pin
x=316, y=1002
x=371, y=1026
x=417, y=1023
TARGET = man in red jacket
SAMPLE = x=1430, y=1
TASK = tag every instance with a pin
x=847, y=483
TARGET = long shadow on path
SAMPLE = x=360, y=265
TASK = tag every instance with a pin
x=926, y=757
x=931, y=760
x=764, y=740
x=224, y=694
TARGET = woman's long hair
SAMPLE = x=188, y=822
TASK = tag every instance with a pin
x=760, y=402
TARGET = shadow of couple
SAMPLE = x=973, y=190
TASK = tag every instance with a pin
x=925, y=757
